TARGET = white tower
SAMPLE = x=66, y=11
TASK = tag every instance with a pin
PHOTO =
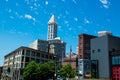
x=52, y=28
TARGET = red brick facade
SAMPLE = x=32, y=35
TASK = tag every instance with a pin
x=84, y=46
x=73, y=62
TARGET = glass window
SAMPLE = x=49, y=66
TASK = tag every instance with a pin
x=32, y=59
x=98, y=50
x=116, y=60
x=33, y=54
x=27, y=59
x=22, y=58
x=46, y=56
x=23, y=52
x=42, y=55
x=93, y=51
x=37, y=60
x=38, y=55
x=27, y=53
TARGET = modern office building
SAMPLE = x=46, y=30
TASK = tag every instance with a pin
x=115, y=64
x=15, y=62
x=84, y=55
x=84, y=68
x=105, y=56
x=41, y=45
x=52, y=28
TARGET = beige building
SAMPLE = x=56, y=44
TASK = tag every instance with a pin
x=15, y=62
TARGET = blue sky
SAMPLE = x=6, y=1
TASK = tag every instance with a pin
x=23, y=21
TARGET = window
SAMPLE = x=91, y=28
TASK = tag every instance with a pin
x=22, y=58
x=27, y=59
x=33, y=54
x=115, y=60
x=98, y=50
x=32, y=59
x=80, y=50
x=38, y=55
x=93, y=51
x=42, y=55
x=27, y=53
x=23, y=52
x=37, y=60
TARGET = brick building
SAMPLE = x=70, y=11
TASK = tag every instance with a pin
x=84, y=55
x=72, y=62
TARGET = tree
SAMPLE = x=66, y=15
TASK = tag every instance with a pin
x=67, y=71
x=47, y=70
x=31, y=71
x=40, y=71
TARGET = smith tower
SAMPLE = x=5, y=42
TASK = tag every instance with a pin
x=52, y=28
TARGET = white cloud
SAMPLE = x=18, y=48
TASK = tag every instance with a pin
x=69, y=29
x=75, y=19
x=28, y=16
x=58, y=17
x=66, y=22
x=9, y=10
x=106, y=6
x=46, y=2
x=86, y=21
x=105, y=3
x=11, y=17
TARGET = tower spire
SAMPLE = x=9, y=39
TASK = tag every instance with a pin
x=52, y=20
x=52, y=28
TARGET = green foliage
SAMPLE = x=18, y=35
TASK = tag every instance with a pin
x=67, y=71
x=31, y=71
x=46, y=70
x=40, y=71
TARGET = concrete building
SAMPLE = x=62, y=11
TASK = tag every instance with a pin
x=52, y=28
x=84, y=55
x=102, y=49
x=15, y=62
x=84, y=67
x=41, y=45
